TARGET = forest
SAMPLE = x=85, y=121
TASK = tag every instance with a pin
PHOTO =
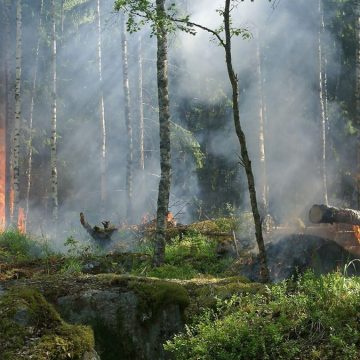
x=179, y=179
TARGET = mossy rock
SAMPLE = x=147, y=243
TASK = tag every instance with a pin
x=31, y=328
x=204, y=293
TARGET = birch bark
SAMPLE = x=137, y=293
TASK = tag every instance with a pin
x=128, y=120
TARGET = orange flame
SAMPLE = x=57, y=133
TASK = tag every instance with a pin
x=170, y=218
x=22, y=221
x=356, y=230
x=2, y=178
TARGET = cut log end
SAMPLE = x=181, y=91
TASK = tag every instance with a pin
x=316, y=214
x=329, y=215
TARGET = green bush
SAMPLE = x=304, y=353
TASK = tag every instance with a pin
x=314, y=318
x=15, y=246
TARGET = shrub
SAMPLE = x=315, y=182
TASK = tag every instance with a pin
x=15, y=246
x=314, y=318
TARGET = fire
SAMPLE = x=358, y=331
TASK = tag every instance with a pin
x=22, y=221
x=2, y=177
x=170, y=219
x=356, y=230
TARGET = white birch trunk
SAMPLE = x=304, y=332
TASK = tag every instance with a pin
x=31, y=117
x=128, y=122
x=101, y=113
x=141, y=106
x=322, y=99
x=263, y=203
x=53, y=138
x=17, y=122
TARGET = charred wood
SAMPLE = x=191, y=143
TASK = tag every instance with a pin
x=96, y=232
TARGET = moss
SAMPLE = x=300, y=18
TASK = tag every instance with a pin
x=154, y=295
x=31, y=328
x=204, y=293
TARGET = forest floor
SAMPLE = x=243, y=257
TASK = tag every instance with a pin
x=46, y=298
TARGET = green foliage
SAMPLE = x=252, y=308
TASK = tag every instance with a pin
x=185, y=140
x=15, y=247
x=142, y=12
x=314, y=318
x=192, y=256
x=77, y=253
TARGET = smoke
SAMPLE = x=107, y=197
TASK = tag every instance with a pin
x=288, y=39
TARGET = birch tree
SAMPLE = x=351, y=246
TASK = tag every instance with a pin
x=17, y=123
x=128, y=120
x=101, y=112
x=53, y=138
x=323, y=102
x=31, y=114
x=263, y=203
x=141, y=107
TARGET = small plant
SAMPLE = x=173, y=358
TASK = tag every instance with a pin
x=313, y=318
x=15, y=247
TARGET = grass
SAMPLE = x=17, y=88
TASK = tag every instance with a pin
x=187, y=258
x=17, y=247
x=312, y=318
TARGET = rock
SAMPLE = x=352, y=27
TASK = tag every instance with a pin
x=130, y=316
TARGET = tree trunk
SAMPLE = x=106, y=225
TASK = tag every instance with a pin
x=53, y=139
x=31, y=115
x=164, y=122
x=17, y=123
x=101, y=114
x=141, y=106
x=128, y=122
x=323, y=101
x=264, y=271
x=329, y=215
x=263, y=203
x=357, y=97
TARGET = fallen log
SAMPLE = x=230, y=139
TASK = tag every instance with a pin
x=329, y=215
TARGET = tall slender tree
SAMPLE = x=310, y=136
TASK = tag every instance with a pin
x=263, y=203
x=31, y=114
x=161, y=25
x=101, y=112
x=230, y=31
x=164, y=122
x=17, y=123
x=9, y=112
x=323, y=102
x=53, y=138
x=357, y=94
x=128, y=119
x=141, y=106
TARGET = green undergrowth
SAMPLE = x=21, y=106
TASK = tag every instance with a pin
x=30, y=328
x=18, y=247
x=312, y=318
x=192, y=256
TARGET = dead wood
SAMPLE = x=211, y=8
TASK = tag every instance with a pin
x=329, y=215
x=96, y=232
